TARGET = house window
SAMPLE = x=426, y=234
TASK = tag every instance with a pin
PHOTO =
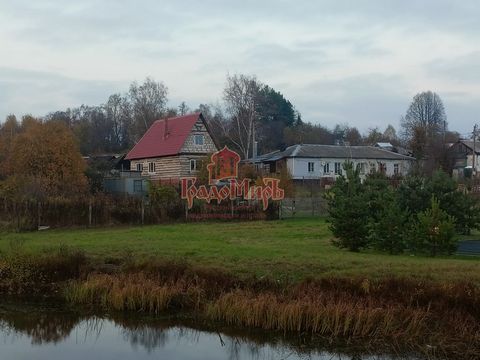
x=311, y=167
x=139, y=167
x=199, y=139
x=338, y=168
x=326, y=168
x=137, y=186
x=151, y=167
x=396, y=169
x=193, y=165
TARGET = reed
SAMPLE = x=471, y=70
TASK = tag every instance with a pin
x=336, y=309
x=402, y=313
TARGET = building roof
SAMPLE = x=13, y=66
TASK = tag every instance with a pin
x=165, y=137
x=384, y=145
x=469, y=144
x=336, y=151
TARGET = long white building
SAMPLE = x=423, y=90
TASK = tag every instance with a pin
x=311, y=161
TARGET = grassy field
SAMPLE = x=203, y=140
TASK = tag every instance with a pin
x=286, y=249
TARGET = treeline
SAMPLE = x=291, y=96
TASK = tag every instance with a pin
x=420, y=216
x=248, y=112
x=42, y=156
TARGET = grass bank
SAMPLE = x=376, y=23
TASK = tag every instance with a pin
x=284, y=250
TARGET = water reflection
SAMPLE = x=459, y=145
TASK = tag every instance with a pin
x=51, y=333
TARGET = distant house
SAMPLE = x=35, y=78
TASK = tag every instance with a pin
x=311, y=161
x=172, y=148
x=126, y=183
x=461, y=156
x=396, y=149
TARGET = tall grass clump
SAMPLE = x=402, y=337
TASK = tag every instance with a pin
x=24, y=273
x=400, y=313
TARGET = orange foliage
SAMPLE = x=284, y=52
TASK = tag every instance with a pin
x=45, y=159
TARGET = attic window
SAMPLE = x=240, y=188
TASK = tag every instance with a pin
x=199, y=139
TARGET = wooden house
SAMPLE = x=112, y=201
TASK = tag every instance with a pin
x=172, y=148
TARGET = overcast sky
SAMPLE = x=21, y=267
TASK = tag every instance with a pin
x=356, y=62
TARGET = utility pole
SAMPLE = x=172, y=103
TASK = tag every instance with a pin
x=473, y=152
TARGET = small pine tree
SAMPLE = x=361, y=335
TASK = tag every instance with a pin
x=388, y=233
x=434, y=231
x=348, y=215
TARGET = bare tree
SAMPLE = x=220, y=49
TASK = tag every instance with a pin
x=118, y=114
x=423, y=129
x=425, y=118
x=240, y=95
x=390, y=134
x=148, y=103
x=183, y=108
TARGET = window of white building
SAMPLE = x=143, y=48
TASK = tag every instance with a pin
x=338, y=168
x=326, y=168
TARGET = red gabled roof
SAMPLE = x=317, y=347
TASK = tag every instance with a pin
x=155, y=143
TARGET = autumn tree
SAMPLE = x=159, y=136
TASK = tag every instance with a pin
x=373, y=136
x=353, y=137
x=307, y=133
x=46, y=161
x=8, y=131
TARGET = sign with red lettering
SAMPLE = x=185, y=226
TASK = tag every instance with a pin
x=223, y=167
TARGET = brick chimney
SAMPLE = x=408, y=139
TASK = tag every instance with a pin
x=167, y=130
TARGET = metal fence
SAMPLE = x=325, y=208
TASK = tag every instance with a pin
x=303, y=207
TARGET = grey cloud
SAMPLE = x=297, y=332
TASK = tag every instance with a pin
x=209, y=38
x=463, y=69
x=37, y=93
x=364, y=101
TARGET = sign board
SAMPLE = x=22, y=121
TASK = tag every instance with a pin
x=223, y=183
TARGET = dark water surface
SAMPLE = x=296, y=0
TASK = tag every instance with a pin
x=33, y=332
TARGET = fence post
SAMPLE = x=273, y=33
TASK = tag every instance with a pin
x=38, y=214
x=143, y=211
x=90, y=210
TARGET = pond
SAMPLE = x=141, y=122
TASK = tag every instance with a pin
x=34, y=332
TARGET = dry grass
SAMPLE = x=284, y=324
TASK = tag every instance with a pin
x=394, y=313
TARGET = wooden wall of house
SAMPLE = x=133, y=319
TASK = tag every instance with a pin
x=169, y=167
x=165, y=167
x=208, y=146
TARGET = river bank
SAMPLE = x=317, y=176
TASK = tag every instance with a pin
x=431, y=318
